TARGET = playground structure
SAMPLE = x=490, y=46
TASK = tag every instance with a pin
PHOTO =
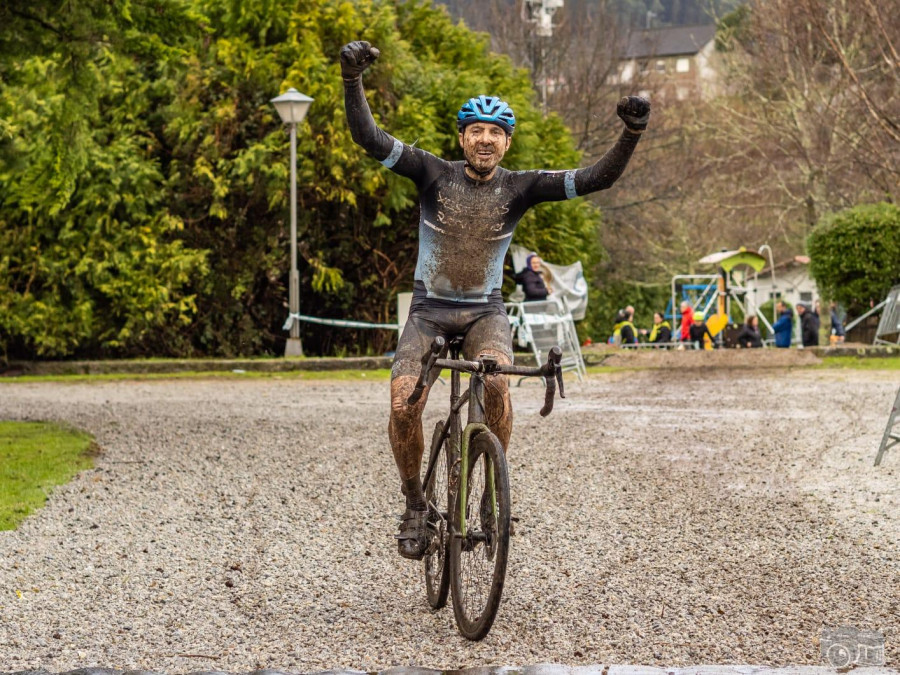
x=705, y=292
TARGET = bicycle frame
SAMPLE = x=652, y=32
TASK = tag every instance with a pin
x=460, y=439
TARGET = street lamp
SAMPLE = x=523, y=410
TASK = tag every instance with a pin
x=292, y=107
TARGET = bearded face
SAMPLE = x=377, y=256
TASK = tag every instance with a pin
x=483, y=146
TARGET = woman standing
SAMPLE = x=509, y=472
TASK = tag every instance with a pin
x=749, y=336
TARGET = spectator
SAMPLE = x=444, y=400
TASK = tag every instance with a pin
x=661, y=333
x=838, y=333
x=809, y=326
x=784, y=326
x=624, y=332
x=749, y=337
x=687, y=320
x=532, y=280
x=699, y=330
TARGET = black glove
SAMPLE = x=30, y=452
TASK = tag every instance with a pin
x=634, y=111
x=356, y=57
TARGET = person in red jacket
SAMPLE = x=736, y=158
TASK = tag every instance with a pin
x=687, y=320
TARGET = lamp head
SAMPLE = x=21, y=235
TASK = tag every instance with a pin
x=292, y=106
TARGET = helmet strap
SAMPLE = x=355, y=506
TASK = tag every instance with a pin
x=476, y=171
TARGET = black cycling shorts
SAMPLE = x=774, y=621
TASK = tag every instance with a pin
x=484, y=324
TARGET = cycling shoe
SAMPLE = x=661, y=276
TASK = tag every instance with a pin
x=413, y=536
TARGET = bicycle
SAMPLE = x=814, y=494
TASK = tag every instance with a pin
x=467, y=469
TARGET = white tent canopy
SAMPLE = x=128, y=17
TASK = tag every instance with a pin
x=566, y=281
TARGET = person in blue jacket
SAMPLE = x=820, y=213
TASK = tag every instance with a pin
x=784, y=327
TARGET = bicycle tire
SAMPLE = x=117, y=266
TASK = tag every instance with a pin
x=478, y=561
x=437, y=495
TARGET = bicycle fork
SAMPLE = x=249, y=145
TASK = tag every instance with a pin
x=475, y=425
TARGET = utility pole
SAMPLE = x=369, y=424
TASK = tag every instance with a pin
x=539, y=13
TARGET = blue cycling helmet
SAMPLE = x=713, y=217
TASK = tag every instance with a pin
x=487, y=109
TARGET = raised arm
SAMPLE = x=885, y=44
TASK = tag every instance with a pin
x=355, y=58
x=557, y=185
x=392, y=153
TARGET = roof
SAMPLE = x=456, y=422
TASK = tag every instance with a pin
x=668, y=41
x=798, y=261
x=728, y=260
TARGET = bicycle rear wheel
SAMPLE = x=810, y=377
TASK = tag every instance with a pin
x=437, y=495
x=478, y=560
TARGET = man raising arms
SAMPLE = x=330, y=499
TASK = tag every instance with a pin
x=468, y=212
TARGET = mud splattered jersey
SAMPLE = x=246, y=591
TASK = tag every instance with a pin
x=466, y=225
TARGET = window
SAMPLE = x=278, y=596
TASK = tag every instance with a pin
x=683, y=66
x=806, y=297
x=660, y=66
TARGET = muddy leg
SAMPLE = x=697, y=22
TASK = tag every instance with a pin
x=497, y=402
x=407, y=443
x=405, y=433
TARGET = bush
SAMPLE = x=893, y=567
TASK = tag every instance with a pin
x=855, y=254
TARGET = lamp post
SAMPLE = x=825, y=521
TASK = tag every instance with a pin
x=292, y=107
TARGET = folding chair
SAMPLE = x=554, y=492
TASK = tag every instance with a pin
x=544, y=324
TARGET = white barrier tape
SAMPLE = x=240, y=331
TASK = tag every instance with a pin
x=340, y=323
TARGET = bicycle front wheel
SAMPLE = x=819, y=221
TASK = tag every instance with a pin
x=478, y=558
x=437, y=491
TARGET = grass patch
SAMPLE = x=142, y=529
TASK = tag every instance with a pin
x=34, y=458
x=862, y=363
x=336, y=375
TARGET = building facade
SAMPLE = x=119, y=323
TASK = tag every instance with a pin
x=672, y=63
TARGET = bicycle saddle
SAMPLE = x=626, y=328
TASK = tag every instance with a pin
x=456, y=341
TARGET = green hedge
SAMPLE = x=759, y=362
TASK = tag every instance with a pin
x=855, y=255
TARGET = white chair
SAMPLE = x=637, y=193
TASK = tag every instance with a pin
x=544, y=324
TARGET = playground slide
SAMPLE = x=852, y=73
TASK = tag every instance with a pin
x=717, y=323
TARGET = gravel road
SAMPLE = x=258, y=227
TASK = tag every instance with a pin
x=665, y=518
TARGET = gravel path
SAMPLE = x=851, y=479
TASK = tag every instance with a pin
x=666, y=519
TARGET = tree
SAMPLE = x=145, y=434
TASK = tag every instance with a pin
x=789, y=141
x=855, y=254
x=209, y=195
x=811, y=116
x=89, y=260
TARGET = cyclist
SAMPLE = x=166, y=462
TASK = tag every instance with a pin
x=469, y=210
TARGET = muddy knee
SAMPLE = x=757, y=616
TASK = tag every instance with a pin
x=498, y=406
x=497, y=385
x=404, y=414
x=405, y=427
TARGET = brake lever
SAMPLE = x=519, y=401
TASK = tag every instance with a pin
x=438, y=348
x=552, y=374
x=559, y=381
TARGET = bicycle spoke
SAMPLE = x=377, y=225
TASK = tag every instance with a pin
x=436, y=563
x=479, y=558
